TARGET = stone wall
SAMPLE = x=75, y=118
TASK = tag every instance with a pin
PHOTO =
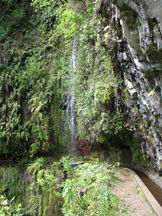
x=136, y=34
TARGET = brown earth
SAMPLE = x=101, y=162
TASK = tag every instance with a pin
x=131, y=195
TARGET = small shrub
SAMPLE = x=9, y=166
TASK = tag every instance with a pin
x=88, y=193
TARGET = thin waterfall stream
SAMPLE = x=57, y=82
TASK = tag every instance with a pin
x=71, y=98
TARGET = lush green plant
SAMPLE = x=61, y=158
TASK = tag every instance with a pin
x=37, y=165
x=8, y=182
x=45, y=189
x=7, y=208
x=69, y=22
x=89, y=191
x=46, y=180
x=95, y=86
x=35, y=77
x=26, y=90
x=46, y=12
x=35, y=192
x=45, y=196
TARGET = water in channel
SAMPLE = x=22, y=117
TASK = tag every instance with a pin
x=152, y=186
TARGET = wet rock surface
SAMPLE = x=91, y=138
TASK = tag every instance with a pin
x=136, y=48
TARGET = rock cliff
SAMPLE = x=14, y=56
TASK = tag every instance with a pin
x=136, y=34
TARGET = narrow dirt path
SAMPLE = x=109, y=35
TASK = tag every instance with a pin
x=132, y=196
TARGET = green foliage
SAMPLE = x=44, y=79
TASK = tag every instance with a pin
x=46, y=12
x=8, y=183
x=89, y=191
x=11, y=15
x=69, y=22
x=26, y=90
x=32, y=192
x=34, y=63
x=11, y=188
x=35, y=77
x=7, y=208
x=95, y=88
x=93, y=82
x=46, y=180
x=41, y=4
x=37, y=165
x=41, y=189
x=44, y=190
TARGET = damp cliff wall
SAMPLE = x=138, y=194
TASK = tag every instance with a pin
x=135, y=32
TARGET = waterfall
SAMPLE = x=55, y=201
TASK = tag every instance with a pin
x=71, y=97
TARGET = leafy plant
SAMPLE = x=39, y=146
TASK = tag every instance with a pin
x=89, y=191
x=68, y=22
x=7, y=208
x=37, y=165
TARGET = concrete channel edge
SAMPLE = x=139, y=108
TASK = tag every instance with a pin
x=150, y=198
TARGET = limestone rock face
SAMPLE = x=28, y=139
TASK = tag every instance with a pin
x=136, y=32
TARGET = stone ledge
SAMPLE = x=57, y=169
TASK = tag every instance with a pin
x=150, y=198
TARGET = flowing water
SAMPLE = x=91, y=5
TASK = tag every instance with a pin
x=152, y=186
x=71, y=97
x=155, y=189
